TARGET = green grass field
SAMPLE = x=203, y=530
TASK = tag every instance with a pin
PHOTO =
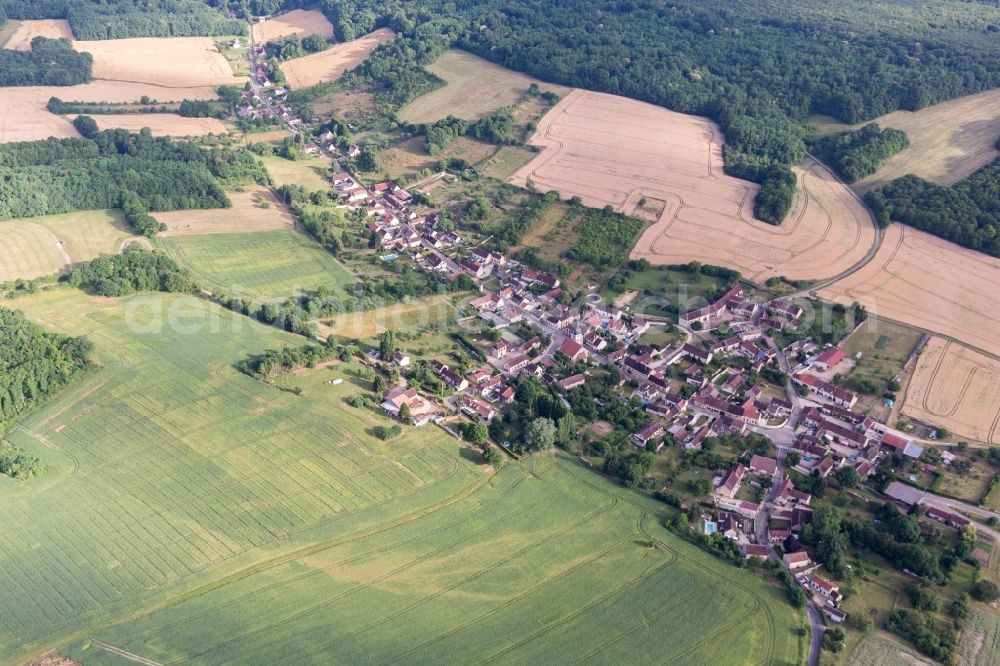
x=262, y=264
x=309, y=172
x=981, y=639
x=192, y=513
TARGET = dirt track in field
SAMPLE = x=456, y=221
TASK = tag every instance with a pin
x=615, y=151
x=930, y=283
x=956, y=388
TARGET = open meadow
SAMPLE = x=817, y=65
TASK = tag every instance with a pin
x=24, y=117
x=262, y=264
x=948, y=141
x=161, y=124
x=181, y=62
x=474, y=87
x=610, y=150
x=417, y=314
x=410, y=157
x=331, y=64
x=28, y=30
x=879, y=649
x=308, y=172
x=298, y=22
x=958, y=389
x=929, y=283
x=50, y=244
x=246, y=215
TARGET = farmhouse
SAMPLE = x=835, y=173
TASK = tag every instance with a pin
x=476, y=409
x=826, y=588
x=651, y=431
x=696, y=354
x=829, y=358
x=762, y=465
x=796, y=561
x=755, y=550
x=572, y=382
x=731, y=481
x=825, y=389
x=947, y=518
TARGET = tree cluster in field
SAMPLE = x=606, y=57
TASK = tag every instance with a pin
x=605, y=237
x=119, y=169
x=966, y=213
x=858, y=153
x=275, y=362
x=935, y=641
x=290, y=46
x=135, y=269
x=538, y=415
x=19, y=464
x=388, y=432
x=520, y=221
x=34, y=363
x=50, y=62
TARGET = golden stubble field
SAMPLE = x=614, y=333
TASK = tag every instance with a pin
x=474, y=88
x=958, y=389
x=610, y=150
x=331, y=64
x=246, y=215
x=163, y=61
x=930, y=283
x=28, y=30
x=948, y=141
x=298, y=22
x=162, y=124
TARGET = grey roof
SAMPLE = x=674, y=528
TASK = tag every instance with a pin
x=904, y=493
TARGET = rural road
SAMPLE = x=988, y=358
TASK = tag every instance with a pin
x=816, y=624
x=141, y=240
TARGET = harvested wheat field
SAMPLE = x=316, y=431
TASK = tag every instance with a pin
x=331, y=64
x=246, y=215
x=162, y=124
x=23, y=116
x=948, y=141
x=930, y=283
x=475, y=87
x=163, y=61
x=611, y=150
x=298, y=22
x=958, y=389
x=28, y=30
x=33, y=247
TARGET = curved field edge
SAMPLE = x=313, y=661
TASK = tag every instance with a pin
x=543, y=561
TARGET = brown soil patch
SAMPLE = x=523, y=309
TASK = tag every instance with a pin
x=958, y=389
x=163, y=61
x=601, y=428
x=342, y=104
x=51, y=660
x=28, y=30
x=23, y=116
x=948, y=141
x=475, y=87
x=611, y=150
x=929, y=283
x=410, y=157
x=162, y=124
x=331, y=64
x=246, y=215
x=298, y=22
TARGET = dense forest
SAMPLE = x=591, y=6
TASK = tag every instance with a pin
x=855, y=154
x=747, y=65
x=967, y=213
x=50, y=62
x=135, y=269
x=118, y=169
x=34, y=363
x=119, y=19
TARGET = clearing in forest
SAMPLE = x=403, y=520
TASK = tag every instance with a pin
x=334, y=62
x=474, y=88
x=28, y=30
x=309, y=172
x=257, y=209
x=948, y=141
x=181, y=62
x=610, y=150
x=23, y=116
x=38, y=246
x=298, y=22
x=958, y=389
x=930, y=283
x=264, y=264
x=162, y=124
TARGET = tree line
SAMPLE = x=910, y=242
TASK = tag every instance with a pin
x=135, y=269
x=272, y=363
x=119, y=169
x=34, y=363
x=855, y=154
x=966, y=213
